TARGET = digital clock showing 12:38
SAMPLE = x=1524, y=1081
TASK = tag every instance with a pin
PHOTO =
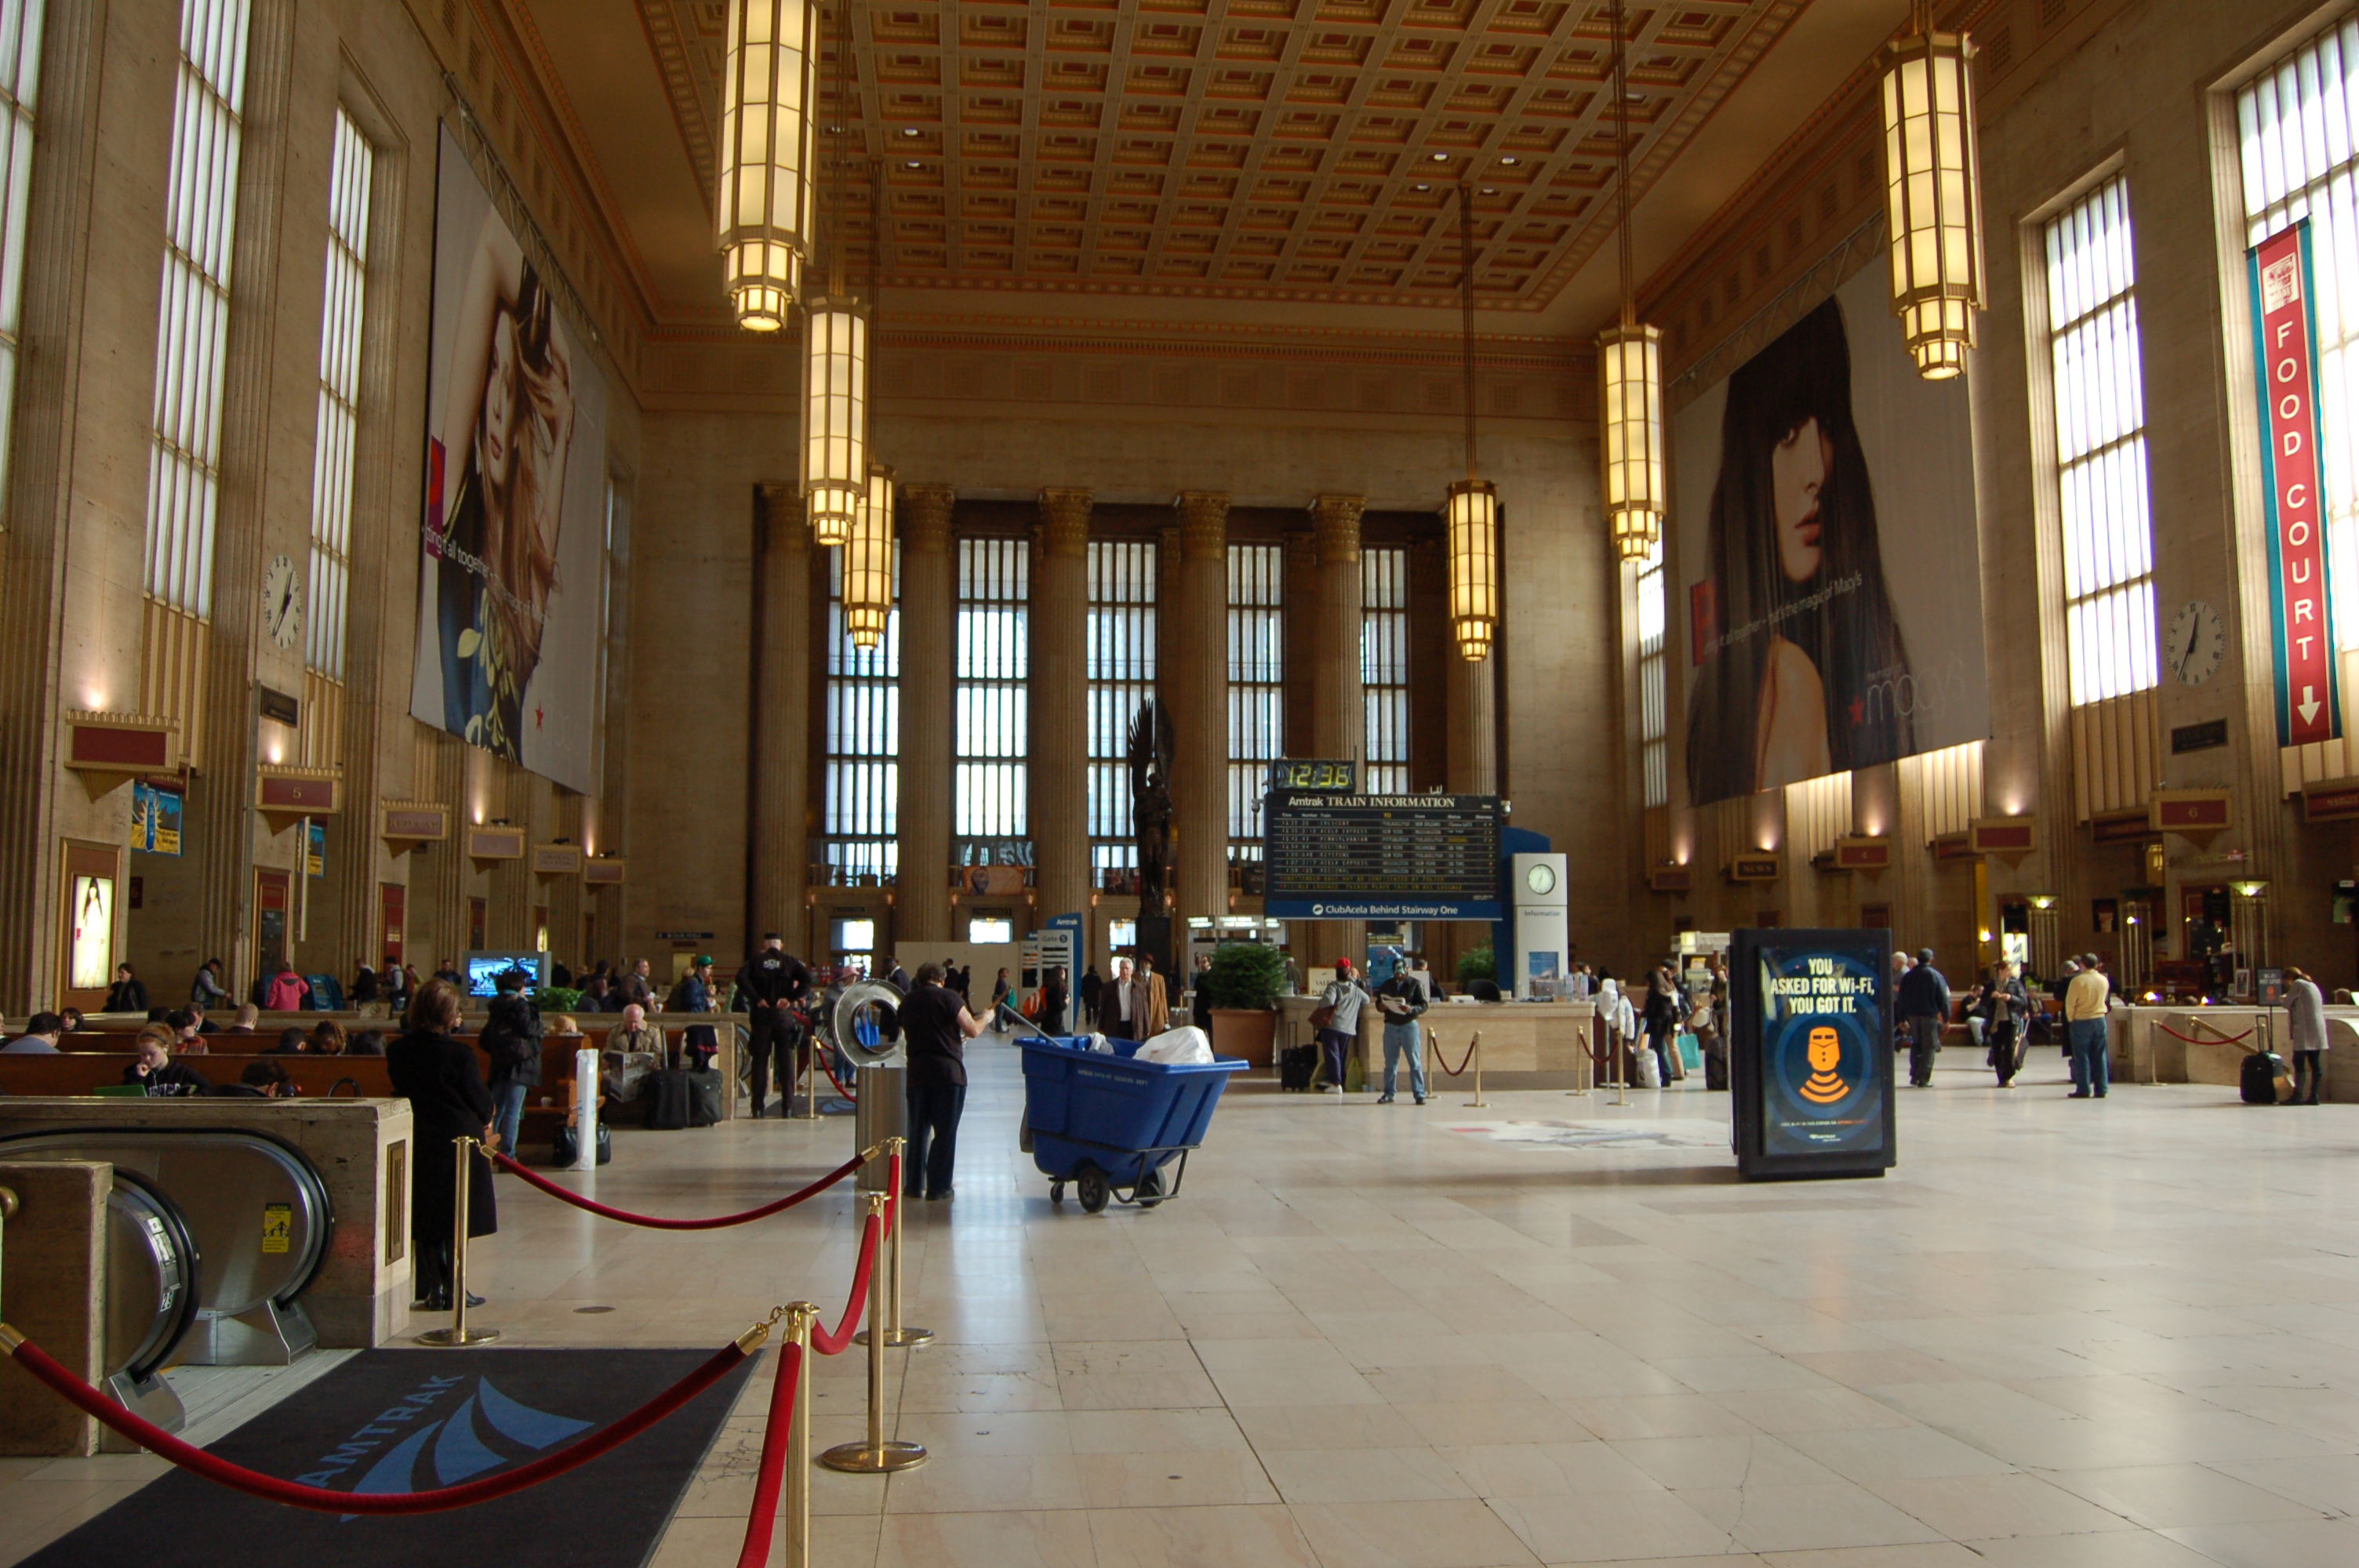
x=1343, y=777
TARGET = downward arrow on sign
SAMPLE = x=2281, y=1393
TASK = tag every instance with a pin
x=2309, y=705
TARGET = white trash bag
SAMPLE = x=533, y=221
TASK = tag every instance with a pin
x=1185, y=1046
x=1647, y=1064
x=1101, y=1044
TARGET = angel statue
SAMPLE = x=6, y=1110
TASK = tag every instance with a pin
x=1150, y=800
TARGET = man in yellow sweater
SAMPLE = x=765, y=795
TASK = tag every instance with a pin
x=2084, y=1027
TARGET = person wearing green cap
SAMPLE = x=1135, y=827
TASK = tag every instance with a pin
x=694, y=994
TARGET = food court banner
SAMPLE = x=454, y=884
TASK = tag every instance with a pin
x=1823, y=508
x=508, y=600
x=1810, y=1056
x=2301, y=613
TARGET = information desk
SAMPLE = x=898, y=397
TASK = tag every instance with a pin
x=1537, y=1044
x=2208, y=1044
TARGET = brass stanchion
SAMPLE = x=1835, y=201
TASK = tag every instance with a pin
x=896, y=1335
x=458, y=1335
x=799, y=1328
x=877, y=1456
x=1474, y=1048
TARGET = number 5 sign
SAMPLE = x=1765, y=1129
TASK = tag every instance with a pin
x=2285, y=333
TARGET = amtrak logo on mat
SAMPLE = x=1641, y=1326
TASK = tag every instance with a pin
x=439, y=1433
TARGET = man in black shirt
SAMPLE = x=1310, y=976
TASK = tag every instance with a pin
x=936, y=1026
x=774, y=982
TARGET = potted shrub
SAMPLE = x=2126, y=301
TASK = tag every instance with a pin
x=1477, y=964
x=1245, y=983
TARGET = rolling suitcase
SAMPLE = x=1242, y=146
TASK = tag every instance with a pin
x=668, y=1095
x=1295, y=1064
x=2256, y=1080
x=703, y=1097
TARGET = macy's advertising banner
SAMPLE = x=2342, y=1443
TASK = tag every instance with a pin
x=509, y=602
x=1824, y=510
x=2285, y=362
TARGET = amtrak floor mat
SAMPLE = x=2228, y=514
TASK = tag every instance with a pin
x=403, y=1420
x=1638, y=1134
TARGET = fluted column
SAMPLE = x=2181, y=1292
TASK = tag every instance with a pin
x=1474, y=708
x=1059, y=773
x=782, y=633
x=1338, y=716
x=437, y=903
x=922, y=901
x=513, y=886
x=1195, y=686
x=565, y=894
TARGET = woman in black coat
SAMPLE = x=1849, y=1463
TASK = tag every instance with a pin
x=438, y=1074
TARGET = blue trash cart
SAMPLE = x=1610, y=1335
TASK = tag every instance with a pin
x=1108, y=1124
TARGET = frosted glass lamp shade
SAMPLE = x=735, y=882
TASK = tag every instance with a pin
x=1933, y=196
x=868, y=562
x=835, y=415
x=1630, y=401
x=762, y=204
x=1473, y=543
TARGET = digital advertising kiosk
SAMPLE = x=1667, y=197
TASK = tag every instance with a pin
x=1811, y=1052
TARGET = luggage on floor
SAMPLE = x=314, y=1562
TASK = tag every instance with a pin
x=1715, y=1065
x=2256, y=1081
x=1647, y=1066
x=566, y=1148
x=703, y=1096
x=1296, y=1064
x=666, y=1094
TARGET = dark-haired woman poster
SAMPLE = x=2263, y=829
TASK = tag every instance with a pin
x=1803, y=666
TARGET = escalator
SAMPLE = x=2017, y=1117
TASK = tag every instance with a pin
x=214, y=1235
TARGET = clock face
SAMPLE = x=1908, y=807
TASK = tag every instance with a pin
x=1540, y=877
x=2196, y=643
x=282, y=602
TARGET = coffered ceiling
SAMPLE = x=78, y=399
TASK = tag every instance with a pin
x=1279, y=153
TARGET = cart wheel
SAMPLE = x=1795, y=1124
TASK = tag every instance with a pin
x=1056, y=1191
x=1150, y=1188
x=1091, y=1182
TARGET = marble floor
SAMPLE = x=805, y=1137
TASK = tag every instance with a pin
x=2063, y=1335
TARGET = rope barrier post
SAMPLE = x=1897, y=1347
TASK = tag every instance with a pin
x=800, y=1316
x=896, y=1335
x=877, y=1456
x=1478, y=1100
x=459, y=1335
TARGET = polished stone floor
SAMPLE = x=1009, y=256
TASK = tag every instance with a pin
x=2063, y=1335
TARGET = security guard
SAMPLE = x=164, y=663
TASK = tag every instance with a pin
x=774, y=982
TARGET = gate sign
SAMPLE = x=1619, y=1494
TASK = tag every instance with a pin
x=1811, y=1052
x=2285, y=327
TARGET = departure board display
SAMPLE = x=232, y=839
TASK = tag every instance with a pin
x=1378, y=857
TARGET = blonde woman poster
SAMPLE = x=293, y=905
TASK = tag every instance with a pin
x=509, y=600
x=1825, y=514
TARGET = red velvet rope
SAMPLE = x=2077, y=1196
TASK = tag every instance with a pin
x=651, y=1222
x=2191, y=1039
x=323, y=1499
x=837, y=1082
x=1442, y=1062
x=755, y=1552
x=834, y=1344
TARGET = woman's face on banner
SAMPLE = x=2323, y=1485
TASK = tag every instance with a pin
x=1798, y=470
x=495, y=425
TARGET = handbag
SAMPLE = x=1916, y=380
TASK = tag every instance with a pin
x=1323, y=1016
x=565, y=1147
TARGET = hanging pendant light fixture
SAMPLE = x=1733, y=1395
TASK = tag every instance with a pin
x=762, y=204
x=1473, y=514
x=1932, y=189
x=868, y=562
x=835, y=355
x=1630, y=372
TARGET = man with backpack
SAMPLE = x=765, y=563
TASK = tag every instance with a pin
x=512, y=1039
x=1924, y=1006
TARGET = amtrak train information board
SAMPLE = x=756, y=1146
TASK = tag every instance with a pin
x=1381, y=857
x=1811, y=1052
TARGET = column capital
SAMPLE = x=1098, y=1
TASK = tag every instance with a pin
x=785, y=519
x=1204, y=525
x=1335, y=525
x=926, y=518
x=1065, y=522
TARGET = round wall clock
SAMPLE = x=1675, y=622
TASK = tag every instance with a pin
x=1540, y=877
x=282, y=601
x=2196, y=643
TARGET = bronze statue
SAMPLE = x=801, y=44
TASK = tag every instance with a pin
x=1150, y=802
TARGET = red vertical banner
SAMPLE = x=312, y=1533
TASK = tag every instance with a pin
x=2285, y=331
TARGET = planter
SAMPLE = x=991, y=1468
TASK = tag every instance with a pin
x=1246, y=1032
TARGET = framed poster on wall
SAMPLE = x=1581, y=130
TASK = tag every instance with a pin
x=1810, y=1057
x=86, y=929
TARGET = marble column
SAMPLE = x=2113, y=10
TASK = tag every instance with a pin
x=1058, y=775
x=1472, y=712
x=565, y=894
x=1338, y=716
x=513, y=887
x=436, y=903
x=1195, y=688
x=782, y=694
x=921, y=900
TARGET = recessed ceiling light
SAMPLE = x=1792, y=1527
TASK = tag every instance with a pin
x=1421, y=188
x=909, y=130
x=1490, y=191
x=1442, y=158
x=1508, y=162
x=913, y=163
